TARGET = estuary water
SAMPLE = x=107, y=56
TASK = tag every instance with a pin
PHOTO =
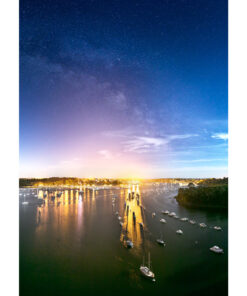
x=74, y=244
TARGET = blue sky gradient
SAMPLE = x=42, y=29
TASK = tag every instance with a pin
x=123, y=88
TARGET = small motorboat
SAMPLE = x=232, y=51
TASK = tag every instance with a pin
x=216, y=250
x=184, y=219
x=179, y=231
x=153, y=214
x=172, y=214
x=162, y=220
x=129, y=243
x=160, y=241
x=146, y=271
x=166, y=212
x=218, y=228
x=203, y=225
x=25, y=202
x=192, y=222
x=119, y=218
x=116, y=213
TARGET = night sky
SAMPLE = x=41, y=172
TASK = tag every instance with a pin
x=123, y=88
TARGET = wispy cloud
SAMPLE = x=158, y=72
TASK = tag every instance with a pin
x=177, y=137
x=105, y=153
x=143, y=144
x=146, y=144
x=200, y=160
x=220, y=136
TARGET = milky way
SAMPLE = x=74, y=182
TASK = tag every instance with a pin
x=123, y=88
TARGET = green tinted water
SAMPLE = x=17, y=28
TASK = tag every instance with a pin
x=75, y=246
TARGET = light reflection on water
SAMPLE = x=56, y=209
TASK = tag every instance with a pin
x=79, y=235
x=133, y=217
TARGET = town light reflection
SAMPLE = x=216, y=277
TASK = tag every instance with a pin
x=133, y=224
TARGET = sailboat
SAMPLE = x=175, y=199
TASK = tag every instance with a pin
x=25, y=202
x=160, y=241
x=146, y=271
x=129, y=243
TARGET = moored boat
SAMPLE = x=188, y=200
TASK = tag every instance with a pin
x=160, y=241
x=146, y=271
x=184, y=219
x=129, y=243
x=216, y=250
x=218, y=228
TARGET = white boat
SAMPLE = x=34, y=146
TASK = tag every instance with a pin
x=116, y=213
x=129, y=244
x=203, y=225
x=153, y=214
x=172, y=214
x=25, y=202
x=162, y=220
x=217, y=228
x=146, y=271
x=166, y=212
x=179, y=231
x=176, y=217
x=141, y=225
x=119, y=218
x=192, y=222
x=216, y=249
x=121, y=224
x=160, y=241
x=184, y=219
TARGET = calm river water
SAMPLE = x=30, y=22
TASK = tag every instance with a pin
x=74, y=245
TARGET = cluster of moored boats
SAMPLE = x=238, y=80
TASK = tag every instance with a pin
x=144, y=269
x=214, y=249
x=31, y=198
